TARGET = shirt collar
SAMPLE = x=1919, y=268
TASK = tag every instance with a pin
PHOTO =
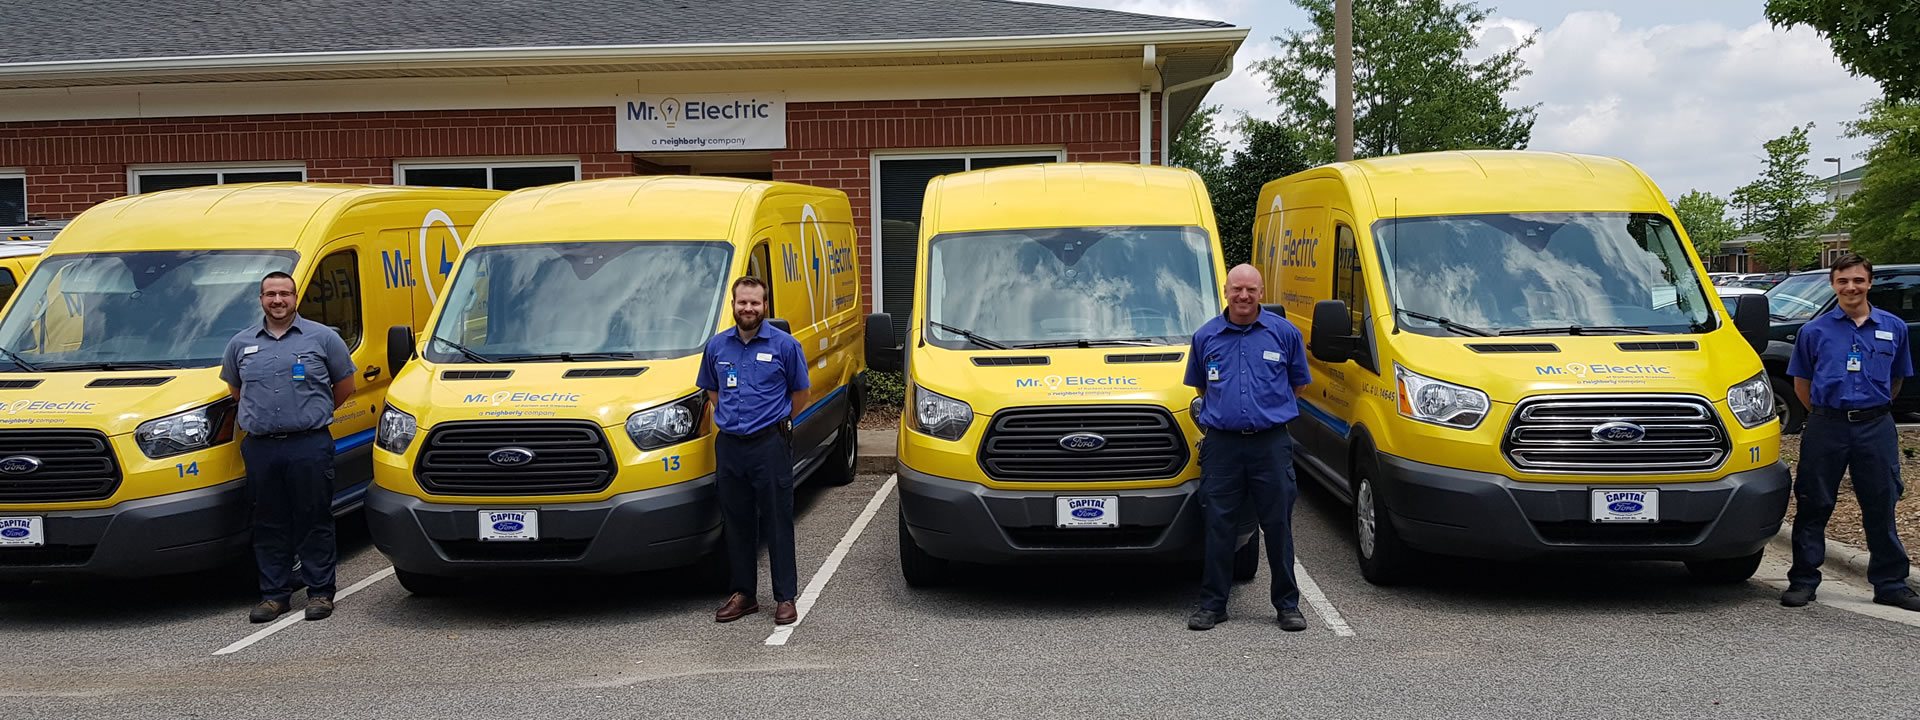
x=767, y=331
x=260, y=328
x=1258, y=321
x=1839, y=315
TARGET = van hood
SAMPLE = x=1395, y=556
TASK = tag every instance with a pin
x=1509, y=369
x=449, y=392
x=112, y=402
x=1068, y=376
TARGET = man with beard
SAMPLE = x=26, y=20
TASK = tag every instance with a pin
x=755, y=376
x=289, y=374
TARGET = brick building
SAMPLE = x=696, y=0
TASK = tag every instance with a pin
x=870, y=98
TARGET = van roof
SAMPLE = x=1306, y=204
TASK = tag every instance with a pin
x=1465, y=182
x=243, y=216
x=664, y=207
x=1067, y=195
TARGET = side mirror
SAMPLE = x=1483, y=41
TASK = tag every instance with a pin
x=782, y=323
x=1331, y=340
x=1750, y=317
x=883, y=350
x=399, y=348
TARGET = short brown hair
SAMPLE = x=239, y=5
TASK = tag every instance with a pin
x=752, y=282
x=1850, y=260
x=277, y=275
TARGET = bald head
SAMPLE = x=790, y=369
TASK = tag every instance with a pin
x=1244, y=292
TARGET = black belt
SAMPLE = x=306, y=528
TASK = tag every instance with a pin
x=774, y=429
x=285, y=435
x=1855, y=415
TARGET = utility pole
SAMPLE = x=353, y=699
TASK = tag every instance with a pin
x=1343, y=79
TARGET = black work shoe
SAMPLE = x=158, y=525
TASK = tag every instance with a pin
x=1904, y=598
x=268, y=611
x=1205, y=619
x=1292, y=621
x=1797, y=596
x=319, y=608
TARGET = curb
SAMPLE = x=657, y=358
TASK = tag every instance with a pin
x=1849, y=558
x=876, y=456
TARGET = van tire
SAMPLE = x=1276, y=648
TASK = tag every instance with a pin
x=1727, y=571
x=1246, y=560
x=426, y=585
x=1384, y=558
x=1793, y=417
x=920, y=569
x=844, y=460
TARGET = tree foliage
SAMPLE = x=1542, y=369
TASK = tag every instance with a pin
x=1876, y=38
x=1414, y=88
x=1704, y=216
x=1785, y=206
x=1884, y=216
x=1271, y=151
x=1198, y=146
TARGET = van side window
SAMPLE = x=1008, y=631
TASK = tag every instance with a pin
x=7, y=285
x=333, y=296
x=760, y=265
x=1349, y=283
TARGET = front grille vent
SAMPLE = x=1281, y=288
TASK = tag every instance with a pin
x=476, y=374
x=1135, y=443
x=129, y=382
x=1490, y=348
x=1659, y=346
x=604, y=372
x=1150, y=358
x=56, y=466
x=1005, y=361
x=567, y=458
x=1563, y=434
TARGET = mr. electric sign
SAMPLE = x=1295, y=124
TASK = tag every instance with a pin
x=690, y=122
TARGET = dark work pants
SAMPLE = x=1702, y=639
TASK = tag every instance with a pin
x=290, y=481
x=1871, y=451
x=1237, y=471
x=756, y=500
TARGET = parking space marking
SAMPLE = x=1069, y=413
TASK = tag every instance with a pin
x=819, y=582
x=1310, y=590
x=294, y=616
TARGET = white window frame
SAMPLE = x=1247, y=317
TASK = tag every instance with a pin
x=873, y=189
x=26, y=208
x=220, y=170
x=400, y=167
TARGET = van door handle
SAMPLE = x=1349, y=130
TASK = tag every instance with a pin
x=373, y=371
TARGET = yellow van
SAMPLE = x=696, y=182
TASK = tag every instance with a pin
x=550, y=421
x=17, y=258
x=1517, y=355
x=116, y=433
x=1047, y=419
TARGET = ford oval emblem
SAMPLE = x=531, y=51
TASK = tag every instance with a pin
x=1624, y=506
x=1088, y=513
x=1083, y=442
x=508, y=526
x=1619, y=432
x=510, y=456
x=19, y=464
x=13, y=533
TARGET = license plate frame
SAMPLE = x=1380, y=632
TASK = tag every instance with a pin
x=509, y=525
x=1086, y=511
x=1639, y=506
x=23, y=531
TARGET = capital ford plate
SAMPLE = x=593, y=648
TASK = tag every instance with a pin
x=27, y=531
x=1626, y=505
x=509, y=525
x=1097, y=511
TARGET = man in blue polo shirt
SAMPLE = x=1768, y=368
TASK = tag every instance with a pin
x=1847, y=368
x=755, y=376
x=1248, y=366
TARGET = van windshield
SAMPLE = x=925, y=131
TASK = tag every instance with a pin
x=1069, y=286
x=1799, y=297
x=140, y=309
x=605, y=300
x=1541, y=274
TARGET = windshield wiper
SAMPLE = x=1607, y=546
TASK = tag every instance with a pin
x=17, y=360
x=969, y=335
x=568, y=356
x=109, y=366
x=1457, y=328
x=463, y=350
x=1126, y=342
x=1585, y=330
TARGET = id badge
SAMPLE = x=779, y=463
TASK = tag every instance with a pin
x=1213, y=372
x=733, y=378
x=1853, y=362
x=299, y=370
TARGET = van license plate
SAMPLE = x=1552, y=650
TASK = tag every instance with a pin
x=1100, y=511
x=509, y=524
x=22, y=531
x=1626, y=505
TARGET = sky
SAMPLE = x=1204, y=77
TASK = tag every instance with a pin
x=1686, y=89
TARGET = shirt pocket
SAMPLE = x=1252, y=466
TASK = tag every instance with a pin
x=256, y=367
x=315, y=366
x=764, y=375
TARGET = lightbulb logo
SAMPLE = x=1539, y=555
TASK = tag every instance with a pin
x=1052, y=381
x=1578, y=369
x=670, y=109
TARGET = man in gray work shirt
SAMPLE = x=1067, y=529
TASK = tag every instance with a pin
x=289, y=374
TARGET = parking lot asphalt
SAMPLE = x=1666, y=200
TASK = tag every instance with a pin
x=1470, y=640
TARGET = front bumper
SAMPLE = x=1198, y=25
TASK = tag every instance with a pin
x=176, y=533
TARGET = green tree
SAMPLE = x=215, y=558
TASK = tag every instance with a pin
x=1785, y=206
x=1704, y=216
x=1884, y=216
x=1271, y=151
x=1876, y=38
x=1414, y=88
x=1198, y=146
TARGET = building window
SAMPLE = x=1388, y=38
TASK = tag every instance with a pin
x=13, y=198
x=899, y=187
x=486, y=174
x=147, y=180
x=333, y=296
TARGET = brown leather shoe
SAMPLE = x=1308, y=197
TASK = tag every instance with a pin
x=785, y=613
x=738, y=606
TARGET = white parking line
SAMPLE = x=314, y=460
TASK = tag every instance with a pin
x=820, y=578
x=1310, y=590
x=296, y=615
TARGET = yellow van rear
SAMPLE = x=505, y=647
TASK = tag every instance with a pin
x=550, y=421
x=1517, y=355
x=1047, y=419
x=116, y=432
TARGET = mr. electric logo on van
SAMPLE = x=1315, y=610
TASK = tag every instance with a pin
x=1056, y=382
x=506, y=397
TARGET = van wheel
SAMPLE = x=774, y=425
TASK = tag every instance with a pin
x=1384, y=558
x=1725, y=572
x=426, y=585
x=839, y=469
x=920, y=569
x=1246, y=560
x=1793, y=417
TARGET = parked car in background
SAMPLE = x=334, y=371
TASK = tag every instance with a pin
x=1804, y=296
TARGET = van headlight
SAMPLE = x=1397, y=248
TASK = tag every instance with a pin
x=1752, y=401
x=940, y=416
x=396, y=431
x=1193, y=410
x=197, y=429
x=1441, y=403
x=674, y=422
